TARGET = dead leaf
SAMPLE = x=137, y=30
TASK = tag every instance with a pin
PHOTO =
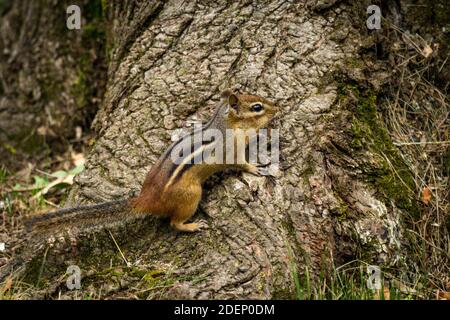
x=25, y=173
x=403, y=287
x=426, y=195
x=78, y=132
x=6, y=286
x=45, y=131
x=78, y=158
x=386, y=294
x=427, y=51
x=442, y=295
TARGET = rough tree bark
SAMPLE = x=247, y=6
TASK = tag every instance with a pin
x=168, y=63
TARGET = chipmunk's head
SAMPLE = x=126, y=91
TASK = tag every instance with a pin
x=248, y=111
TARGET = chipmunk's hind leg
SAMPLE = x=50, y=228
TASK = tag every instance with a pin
x=185, y=210
x=178, y=221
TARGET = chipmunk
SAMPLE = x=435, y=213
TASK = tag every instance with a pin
x=174, y=189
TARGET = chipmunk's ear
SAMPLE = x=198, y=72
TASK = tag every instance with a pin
x=232, y=98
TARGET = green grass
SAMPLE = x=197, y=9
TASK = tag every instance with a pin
x=349, y=282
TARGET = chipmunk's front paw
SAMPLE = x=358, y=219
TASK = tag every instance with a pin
x=264, y=171
x=259, y=170
x=253, y=169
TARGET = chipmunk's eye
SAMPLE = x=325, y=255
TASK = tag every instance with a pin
x=257, y=107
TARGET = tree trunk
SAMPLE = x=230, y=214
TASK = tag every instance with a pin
x=335, y=200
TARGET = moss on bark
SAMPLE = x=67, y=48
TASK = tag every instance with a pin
x=390, y=176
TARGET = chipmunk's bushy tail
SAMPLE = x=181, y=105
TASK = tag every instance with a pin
x=81, y=216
